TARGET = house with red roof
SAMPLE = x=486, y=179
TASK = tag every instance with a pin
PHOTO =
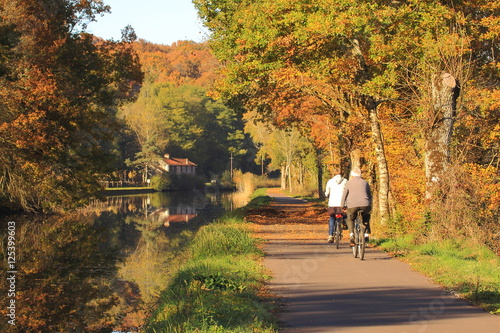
x=177, y=165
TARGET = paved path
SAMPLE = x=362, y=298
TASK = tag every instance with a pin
x=325, y=289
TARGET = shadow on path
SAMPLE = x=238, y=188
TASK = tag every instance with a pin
x=324, y=289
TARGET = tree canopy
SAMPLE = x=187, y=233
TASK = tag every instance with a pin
x=407, y=79
x=60, y=88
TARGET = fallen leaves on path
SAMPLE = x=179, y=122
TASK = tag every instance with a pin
x=289, y=221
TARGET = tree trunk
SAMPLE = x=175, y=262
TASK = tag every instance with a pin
x=289, y=174
x=383, y=170
x=283, y=176
x=319, y=165
x=445, y=92
x=145, y=174
x=356, y=159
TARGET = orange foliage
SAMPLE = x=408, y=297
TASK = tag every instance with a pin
x=58, y=90
x=405, y=164
x=488, y=189
x=183, y=62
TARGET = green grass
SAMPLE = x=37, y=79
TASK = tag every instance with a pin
x=258, y=198
x=218, y=289
x=472, y=271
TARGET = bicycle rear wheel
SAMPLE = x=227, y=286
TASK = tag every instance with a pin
x=355, y=248
x=362, y=244
x=338, y=232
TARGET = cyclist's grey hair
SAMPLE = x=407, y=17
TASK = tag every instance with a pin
x=356, y=172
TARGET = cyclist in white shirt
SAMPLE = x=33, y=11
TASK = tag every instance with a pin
x=334, y=190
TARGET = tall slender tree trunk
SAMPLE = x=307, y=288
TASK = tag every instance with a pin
x=319, y=165
x=445, y=92
x=383, y=170
x=289, y=173
x=378, y=140
x=283, y=176
x=145, y=174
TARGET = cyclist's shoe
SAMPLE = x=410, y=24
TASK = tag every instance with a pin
x=330, y=239
x=351, y=238
x=367, y=238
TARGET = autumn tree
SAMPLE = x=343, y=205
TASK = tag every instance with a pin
x=416, y=63
x=295, y=60
x=352, y=56
x=59, y=91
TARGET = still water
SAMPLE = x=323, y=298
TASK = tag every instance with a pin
x=101, y=269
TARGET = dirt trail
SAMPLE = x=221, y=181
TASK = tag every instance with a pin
x=324, y=289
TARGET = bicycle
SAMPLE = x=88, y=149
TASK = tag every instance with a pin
x=358, y=249
x=337, y=233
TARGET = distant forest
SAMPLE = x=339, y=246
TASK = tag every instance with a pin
x=174, y=112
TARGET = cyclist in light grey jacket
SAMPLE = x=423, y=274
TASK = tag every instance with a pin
x=357, y=196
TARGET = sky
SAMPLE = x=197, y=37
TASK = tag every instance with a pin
x=157, y=21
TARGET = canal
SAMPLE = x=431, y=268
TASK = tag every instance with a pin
x=100, y=269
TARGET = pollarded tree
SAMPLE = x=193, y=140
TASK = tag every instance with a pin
x=446, y=51
x=59, y=91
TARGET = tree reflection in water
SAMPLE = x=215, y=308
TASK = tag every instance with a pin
x=101, y=269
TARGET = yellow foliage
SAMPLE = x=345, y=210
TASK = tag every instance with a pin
x=487, y=189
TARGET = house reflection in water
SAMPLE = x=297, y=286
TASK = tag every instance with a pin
x=123, y=204
x=180, y=214
x=164, y=212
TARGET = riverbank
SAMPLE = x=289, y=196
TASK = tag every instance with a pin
x=220, y=287
x=127, y=190
x=140, y=190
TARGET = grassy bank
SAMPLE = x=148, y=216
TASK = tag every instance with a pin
x=219, y=286
x=470, y=271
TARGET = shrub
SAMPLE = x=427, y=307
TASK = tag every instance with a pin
x=174, y=182
x=465, y=206
x=161, y=182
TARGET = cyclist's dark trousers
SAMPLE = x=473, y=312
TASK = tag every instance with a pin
x=351, y=216
x=332, y=211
